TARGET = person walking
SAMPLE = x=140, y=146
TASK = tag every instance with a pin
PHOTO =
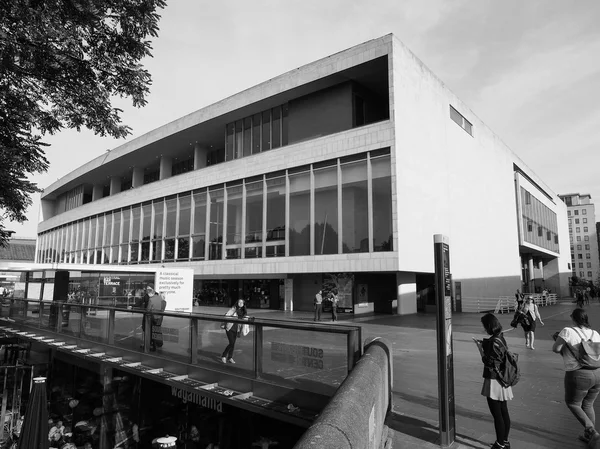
x=531, y=309
x=318, y=305
x=493, y=353
x=231, y=329
x=582, y=384
x=519, y=299
x=156, y=303
x=334, y=303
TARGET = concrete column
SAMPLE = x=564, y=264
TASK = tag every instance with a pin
x=97, y=192
x=166, y=167
x=138, y=177
x=406, y=300
x=530, y=274
x=541, y=268
x=200, y=156
x=289, y=295
x=115, y=185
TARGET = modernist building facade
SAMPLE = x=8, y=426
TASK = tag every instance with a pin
x=581, y=212
x=335, y=175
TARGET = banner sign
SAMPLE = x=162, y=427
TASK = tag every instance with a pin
x=178, y=286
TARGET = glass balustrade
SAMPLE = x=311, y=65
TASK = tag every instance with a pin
x=310, y=357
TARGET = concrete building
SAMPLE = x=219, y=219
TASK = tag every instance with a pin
x=335, y=175
x=585, y=262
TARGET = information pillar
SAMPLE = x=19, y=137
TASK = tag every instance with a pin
x=443, y=293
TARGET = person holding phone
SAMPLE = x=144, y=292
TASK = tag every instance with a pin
x=493, y=352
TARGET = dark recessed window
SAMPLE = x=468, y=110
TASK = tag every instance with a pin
x=461, y=120
x=540, y=231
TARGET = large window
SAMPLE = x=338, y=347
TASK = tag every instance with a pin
x=326, y=207
x=216, y=224
x=199, y=231
x=254, y=219
x=300, y=214
x=382, y=204
x=355, y=221
x=275, y=246
x=183, y=233
x=333, y=208
x=234, y=221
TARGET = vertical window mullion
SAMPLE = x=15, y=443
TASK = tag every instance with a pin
x=312, y=210
x=370, y=202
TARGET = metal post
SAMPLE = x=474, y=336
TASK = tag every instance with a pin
x=193, y=340
x=111, y=327
x=443, y=293
x=147, y=332
x=352, y=350
x=258, y=350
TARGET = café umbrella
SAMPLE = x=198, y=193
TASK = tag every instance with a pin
x=34, y=433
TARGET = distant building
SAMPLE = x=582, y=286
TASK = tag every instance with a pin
x=335, y=175
x=17, y=250
x=585, y=260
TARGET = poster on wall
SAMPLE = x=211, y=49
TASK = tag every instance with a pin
x=343, y=284
x=363, y=295
x=178, y=286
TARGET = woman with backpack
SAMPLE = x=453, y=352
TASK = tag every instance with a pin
x=582, y=379
x=532, y=312
x=493, y=353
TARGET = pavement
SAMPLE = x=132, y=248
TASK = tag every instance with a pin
x=540, y=419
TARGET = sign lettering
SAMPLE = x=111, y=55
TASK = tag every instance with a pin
x=197, y=398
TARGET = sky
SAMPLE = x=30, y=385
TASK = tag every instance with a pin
x=529, y=69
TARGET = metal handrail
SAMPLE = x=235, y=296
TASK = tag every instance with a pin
x=353, y=333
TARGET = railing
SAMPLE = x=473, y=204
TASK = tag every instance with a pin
x=503, y=304
x=309, y=356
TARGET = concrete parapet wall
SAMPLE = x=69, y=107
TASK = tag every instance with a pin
x=355, y=416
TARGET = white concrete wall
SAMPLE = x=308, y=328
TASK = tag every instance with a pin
x=452, y=183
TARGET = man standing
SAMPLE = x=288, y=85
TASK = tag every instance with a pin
x=318, y=306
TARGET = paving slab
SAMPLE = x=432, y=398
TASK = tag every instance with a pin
x=540, y=419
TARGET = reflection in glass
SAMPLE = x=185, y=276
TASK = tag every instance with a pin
x=355, y=223
x=126, y=225
x=136, y=220
x=326, y=207
x=256, y=134
x=276, y=210
x=199, y=237
x=382, y=204
x=234, y=215
x=116, y=228
x=216, y=224
x=229, y=142
x=266, y=130
x=159, y=215
x=300, y=214
x=254, y=212
x=169, y=249
x=276, y=128
x=239, y=138
x=171, y=216
x=146, y=221
x=185, y=215
x=247, y=136
x=284, y=125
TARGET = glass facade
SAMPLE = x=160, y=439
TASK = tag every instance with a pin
x=326, y=208
x=540, y=226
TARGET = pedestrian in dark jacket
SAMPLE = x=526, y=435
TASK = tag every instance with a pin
x=493, y=352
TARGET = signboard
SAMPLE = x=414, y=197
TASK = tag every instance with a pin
x=111, y=286
x=197, y=398
x=177, y=284
x=443, y=293
x=307, y=356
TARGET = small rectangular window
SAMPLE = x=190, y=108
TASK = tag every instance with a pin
x=589, y=264
x=586, y=238
x=585, y=229
x=579, y=247
x=580, y=256
x=556, y=239
x=584, y=220
x=579, y=238
x=460, y=120
x=587, y=246
x=569, y=213
x=570, y=221
x=577, y=229
x=581, y=274
x=577, y=221
x=548, y=235
x=580, y=264
x=527, y=197
x=540, y=231
x=588, y=256
x=589, y=274
x=584, y=212
x=576, y=212
x=529, y=226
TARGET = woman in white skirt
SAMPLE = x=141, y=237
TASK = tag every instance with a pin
x=493, y=351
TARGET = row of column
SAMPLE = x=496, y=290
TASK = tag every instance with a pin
x=165, y=171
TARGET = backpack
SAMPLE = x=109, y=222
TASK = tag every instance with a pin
x=589, y=352
x=508, y=374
